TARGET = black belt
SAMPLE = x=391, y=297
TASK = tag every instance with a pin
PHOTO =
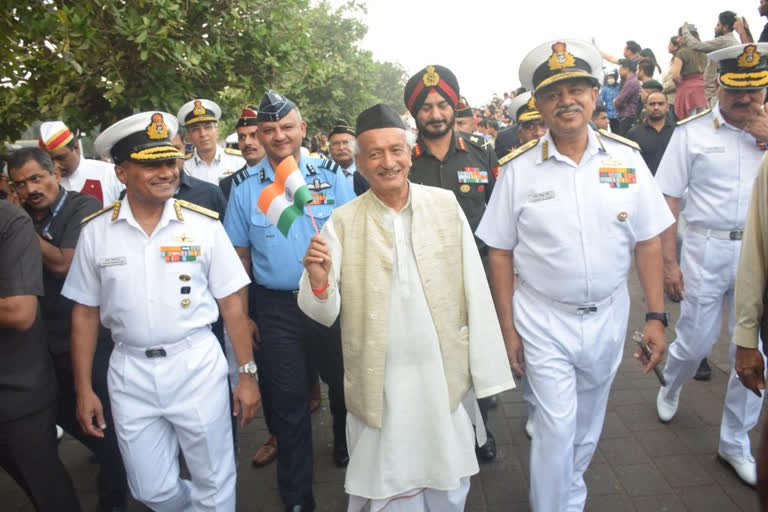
x=264, y=291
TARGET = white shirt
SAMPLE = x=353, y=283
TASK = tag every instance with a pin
x=141, y=296
x=223, y=165
x=95, y=178
x=421, y=442
x=564, y=222
x=718, y=164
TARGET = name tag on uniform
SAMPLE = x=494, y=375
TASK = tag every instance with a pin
x=714, y=149
x=618, y=177
x=113, y=261
x=175, y=253
x=472, y=175
x=541, y=196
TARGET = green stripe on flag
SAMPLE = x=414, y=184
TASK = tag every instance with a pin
x=301, y=197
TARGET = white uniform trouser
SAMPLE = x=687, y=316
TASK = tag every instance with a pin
x=415, y=500
x=162, y=402
x=571, y=361
x=709, y=274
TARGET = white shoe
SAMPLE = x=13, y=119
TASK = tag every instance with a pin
x=745, y=467
x=59, y=433
x=529, y=428
x=666, y=406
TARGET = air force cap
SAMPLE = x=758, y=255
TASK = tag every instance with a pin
x=274, y=107
x=744, y=66
x=144, y=137
x=198, y=111
x=555, y=61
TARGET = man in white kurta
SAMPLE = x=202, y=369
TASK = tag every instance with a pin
x=409, y=425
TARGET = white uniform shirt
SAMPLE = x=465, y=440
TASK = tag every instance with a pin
x=564, y=220
x=223, y=165
x=141, y=296
x=92, y=175
x=718, y=165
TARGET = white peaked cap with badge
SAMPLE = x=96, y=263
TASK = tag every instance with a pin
x=198, y=111
x=558, y=60
x=742, y=67
x=523, y=108
x=144, y=137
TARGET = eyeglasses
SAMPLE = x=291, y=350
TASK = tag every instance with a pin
x=340, y=144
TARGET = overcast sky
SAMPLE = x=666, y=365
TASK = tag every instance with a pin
x=483, y=41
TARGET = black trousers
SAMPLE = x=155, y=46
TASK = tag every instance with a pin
x=323, y=345
x=283, y=379
x=29, y=453
x=112, y=483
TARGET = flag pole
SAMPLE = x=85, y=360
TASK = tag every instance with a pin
x=312, y=217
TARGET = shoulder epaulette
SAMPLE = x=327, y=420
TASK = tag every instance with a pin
x=479, y=142
x=189, y=155
x=327, y=163
x=114, y=207
x=619, y=138
x=518, y=151
x=233, y=151
x=694, y=116
x=241, y=175
x=197, y=208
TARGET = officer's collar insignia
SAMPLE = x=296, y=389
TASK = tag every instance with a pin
x=460, y=144
x=532, y=103
x=749, y=58
x=417, y=150
x=199, y=109
x=431, y=78
x=716, y=123
x=560, y=58
x=544, y=150
x=157, y=130
x=177, y=209
x=262, y=175
x=318, y=185
x=115, y=210
x=311, y=169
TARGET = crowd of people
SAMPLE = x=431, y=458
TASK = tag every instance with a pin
x=413, y=261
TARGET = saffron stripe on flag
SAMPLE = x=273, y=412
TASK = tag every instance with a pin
x=283, y=201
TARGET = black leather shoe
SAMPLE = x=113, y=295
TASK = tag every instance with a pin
x=487, y=452
x=307, y=507
x=704, y=372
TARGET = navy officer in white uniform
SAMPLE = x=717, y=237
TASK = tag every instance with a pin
x=157, y=271
x=569, y=211
x=712, y=160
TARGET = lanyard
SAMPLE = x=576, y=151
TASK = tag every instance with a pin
x=56, y=210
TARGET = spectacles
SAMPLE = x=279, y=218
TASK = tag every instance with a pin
x=340, y=144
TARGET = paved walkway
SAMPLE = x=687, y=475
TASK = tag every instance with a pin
x=640, y=464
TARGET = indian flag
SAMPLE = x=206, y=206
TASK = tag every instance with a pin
x=283, y=201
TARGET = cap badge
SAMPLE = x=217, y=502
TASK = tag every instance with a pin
x=431, y=78
x=532, y=103
x=749, y=58
x=199, y=109
x=157, y=129
x=560, y=58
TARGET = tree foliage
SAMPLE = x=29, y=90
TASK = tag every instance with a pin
x=92, y=62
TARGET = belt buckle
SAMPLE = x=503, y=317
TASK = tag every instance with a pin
x=586, y=309
x=154, y=352
x=736, y=235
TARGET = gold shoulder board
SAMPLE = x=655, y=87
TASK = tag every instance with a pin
x=518, y=151
x=619, y=138
x=694, y=116
x=197, y=208
x=233, y=151
x=114, y=208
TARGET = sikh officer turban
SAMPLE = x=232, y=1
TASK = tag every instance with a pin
x=432, y=78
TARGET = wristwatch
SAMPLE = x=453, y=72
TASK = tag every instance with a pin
x=248, y=368
x=661, y=317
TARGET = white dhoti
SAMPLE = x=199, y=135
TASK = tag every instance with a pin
x=571, y=361
x=709, y=275
x=161, y=403
x=415, y=500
